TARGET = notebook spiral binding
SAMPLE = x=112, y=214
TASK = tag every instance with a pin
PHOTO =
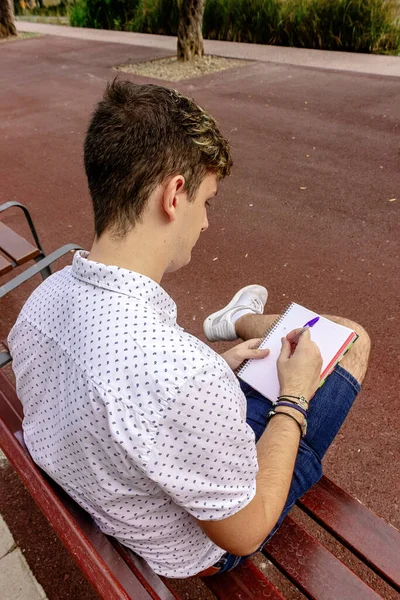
x=267, y=333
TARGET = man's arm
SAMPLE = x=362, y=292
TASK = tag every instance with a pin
x=244, y=532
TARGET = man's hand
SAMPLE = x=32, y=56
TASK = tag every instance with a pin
x=249, y=349
x=299, y=365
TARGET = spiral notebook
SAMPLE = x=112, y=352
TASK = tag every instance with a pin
x=332, y=339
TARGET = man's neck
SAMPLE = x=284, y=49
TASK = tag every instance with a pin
x=136, y=252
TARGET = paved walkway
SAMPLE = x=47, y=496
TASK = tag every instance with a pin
x=321, y=59
x=311, y=208
x=16, y=579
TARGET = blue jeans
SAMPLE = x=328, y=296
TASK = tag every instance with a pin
x=327, y=412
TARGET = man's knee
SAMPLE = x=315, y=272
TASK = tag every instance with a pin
x=363, y=338
x=363, y=345
x=356, y=359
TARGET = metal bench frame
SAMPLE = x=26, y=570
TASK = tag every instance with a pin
x=43, y=262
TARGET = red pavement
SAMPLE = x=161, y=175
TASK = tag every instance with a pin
x=307, y=211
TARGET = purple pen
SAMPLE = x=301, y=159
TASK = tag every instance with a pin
x=312, y=322
x=304, y=328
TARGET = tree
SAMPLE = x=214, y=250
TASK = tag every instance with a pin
x=7, y=27
x=190, y=34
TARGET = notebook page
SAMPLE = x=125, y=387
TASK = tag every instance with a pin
x=262, y=374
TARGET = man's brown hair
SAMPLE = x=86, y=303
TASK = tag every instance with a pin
x=137, y=137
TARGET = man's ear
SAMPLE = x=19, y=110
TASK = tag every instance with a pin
x=172, y=196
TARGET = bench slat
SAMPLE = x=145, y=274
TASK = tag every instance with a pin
x=95, y=555
x=245, y=582
x=12, y=400
x=368, y=536
x=111, y=579
x=312, y=568
x=15, y=246
x=5, y=265
x=150, y=581
x=9, y=415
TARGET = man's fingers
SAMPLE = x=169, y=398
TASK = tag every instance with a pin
x=305, y=337
x=254, y=343
x=255, y=351
x=286, y=350
x=292, y=334
x=258, y=353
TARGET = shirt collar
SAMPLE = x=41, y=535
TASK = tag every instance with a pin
x=123, y=281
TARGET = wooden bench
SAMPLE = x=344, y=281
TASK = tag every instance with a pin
x=116, y=573
x=16, y=251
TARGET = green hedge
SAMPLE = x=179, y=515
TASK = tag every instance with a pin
x=251, y=21
x=146, y=16
x=155, y=16
x=106, y=14
x=349, y=25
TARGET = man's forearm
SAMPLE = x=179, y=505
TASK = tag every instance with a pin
x=276, y=451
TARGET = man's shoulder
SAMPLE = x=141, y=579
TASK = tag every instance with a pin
x=119, y=341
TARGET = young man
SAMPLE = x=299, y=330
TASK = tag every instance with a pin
x=146, y=427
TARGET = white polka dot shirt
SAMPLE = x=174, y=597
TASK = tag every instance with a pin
x=140, y=422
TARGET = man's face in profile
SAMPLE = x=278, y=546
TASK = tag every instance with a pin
x=193, y=220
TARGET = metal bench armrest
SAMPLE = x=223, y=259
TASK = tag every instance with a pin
x=5, y=358
x=37, y=268
x=28, y=217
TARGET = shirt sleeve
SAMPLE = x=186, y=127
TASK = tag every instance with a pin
x=204, y=456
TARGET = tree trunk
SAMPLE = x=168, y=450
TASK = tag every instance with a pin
x=190, y=34
x=7, y=27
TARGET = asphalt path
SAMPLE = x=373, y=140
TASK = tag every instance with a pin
x=311, y=209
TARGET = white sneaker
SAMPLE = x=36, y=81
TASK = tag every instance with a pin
x=220, y=326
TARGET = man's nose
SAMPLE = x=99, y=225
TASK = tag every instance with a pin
x=205, y=223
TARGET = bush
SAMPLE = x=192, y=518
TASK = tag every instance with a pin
x=107, y=14
x=156, y=16
x=248, y=21
x=349, y=25
x=78, y=14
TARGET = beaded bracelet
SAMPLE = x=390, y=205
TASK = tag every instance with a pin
x=292, y=405
x=272, y=414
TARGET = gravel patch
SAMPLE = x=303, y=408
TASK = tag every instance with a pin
x=21, y=36
x=171, y=69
